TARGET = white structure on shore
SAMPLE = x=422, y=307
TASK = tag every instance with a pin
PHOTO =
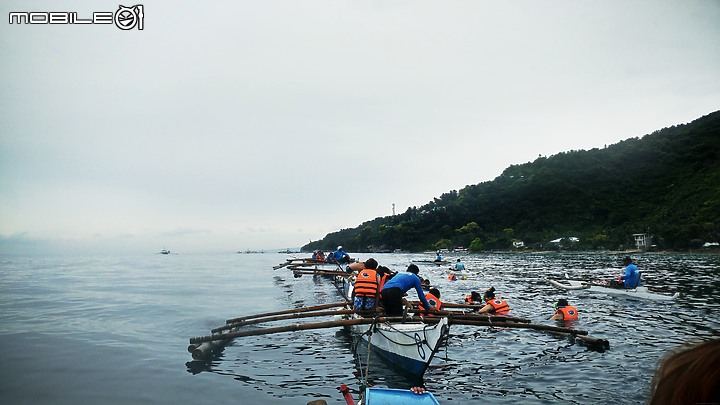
x=642, y=241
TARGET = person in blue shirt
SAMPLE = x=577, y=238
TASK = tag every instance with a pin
x=341, y=256
x=439, y=257
x=395, y=288
x=631, y=278
x=459, y=266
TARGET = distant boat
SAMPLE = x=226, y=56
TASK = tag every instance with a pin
x=435, y=262
x=164, y=252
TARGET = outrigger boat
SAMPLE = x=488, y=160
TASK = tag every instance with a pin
x=435, y=262
x=637, y=292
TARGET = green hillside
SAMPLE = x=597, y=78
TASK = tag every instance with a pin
x=665, y=184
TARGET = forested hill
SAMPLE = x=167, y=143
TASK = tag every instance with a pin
x=665, y=184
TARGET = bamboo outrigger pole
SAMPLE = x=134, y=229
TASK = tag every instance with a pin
x=287, y=311
x=295, y=315
x=292, y=328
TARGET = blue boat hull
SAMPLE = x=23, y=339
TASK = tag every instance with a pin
x=389, y=396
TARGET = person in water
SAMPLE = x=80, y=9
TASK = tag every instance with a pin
x=564, y=311
x=439, y=257
x=394, y=289
x=474, y=298
x=631, y=278
x=433, y=298
x=494, y=305
x=459, y=266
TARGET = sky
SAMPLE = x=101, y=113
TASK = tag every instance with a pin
x=235, y=125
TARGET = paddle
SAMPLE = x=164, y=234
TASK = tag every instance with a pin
x=287, y=311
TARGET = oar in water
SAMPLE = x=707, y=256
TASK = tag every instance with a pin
x=287, y=311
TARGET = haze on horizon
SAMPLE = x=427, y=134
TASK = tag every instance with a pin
x=260, y=125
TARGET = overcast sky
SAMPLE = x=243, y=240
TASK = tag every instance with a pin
x=225, y=126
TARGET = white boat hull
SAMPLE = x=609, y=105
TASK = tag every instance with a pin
x=410, y=346
x=639, y=292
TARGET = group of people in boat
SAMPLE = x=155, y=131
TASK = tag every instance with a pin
x=377, y=286
x=338, y=256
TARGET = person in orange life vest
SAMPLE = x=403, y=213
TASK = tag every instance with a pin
x=452, y=277
x=366, y=286
x=494, y=305
x=433, y=298
x=473, y=298
x=564, y=311
x=318, y=255
x=385, y=274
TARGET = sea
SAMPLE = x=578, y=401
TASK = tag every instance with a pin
x=115, y=330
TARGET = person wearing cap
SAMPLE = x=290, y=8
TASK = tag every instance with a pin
x=631, y=278
x=494, y=305
x=564, y=311
x=340, y=256
x=395, y=288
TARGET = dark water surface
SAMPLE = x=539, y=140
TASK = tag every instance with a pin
x=109, y=330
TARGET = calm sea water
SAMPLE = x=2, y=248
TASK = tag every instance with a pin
x=114, y=330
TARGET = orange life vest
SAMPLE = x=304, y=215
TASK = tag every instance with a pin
x=498, y=305
x=383, y=279
x=366, y=283
x=569, y=312
x=432, y=300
